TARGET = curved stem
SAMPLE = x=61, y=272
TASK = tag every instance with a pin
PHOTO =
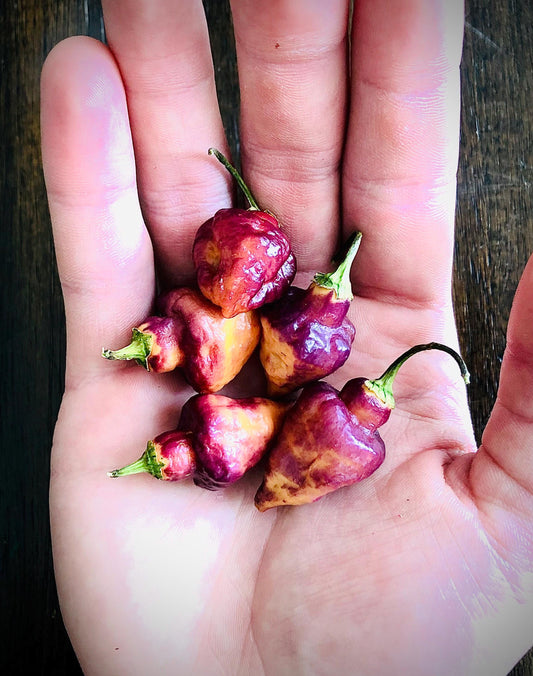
x=392, y=370
x=242, y=185
x=382, y=386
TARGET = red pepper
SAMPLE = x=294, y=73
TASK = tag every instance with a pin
x=217, y=440
x=169, y=457
x=155, y=345
x=330, y=439
x=193, y=335
x=241, y=256
x=229, y=435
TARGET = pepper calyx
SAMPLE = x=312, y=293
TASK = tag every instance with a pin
x=339, y=279
x=139, y=349
x=382, y=390
x=148, y=462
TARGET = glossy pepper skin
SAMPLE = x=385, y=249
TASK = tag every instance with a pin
x=242, y=257
x=169, y=457
x=321, y=448
x=306, y=334
x=229, y=435
x=193, y=335
x=242, y=260
x=330, y=439
x=155, y=345
x=217, y=440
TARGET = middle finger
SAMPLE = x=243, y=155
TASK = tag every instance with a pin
x=292, y=60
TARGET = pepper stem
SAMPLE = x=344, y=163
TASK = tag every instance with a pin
x=242, y=185
x=146, y=463
x=139, y=349
x=382, y=386
x=339, y=280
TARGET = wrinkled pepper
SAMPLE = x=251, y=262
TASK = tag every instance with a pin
x=229, y=435
x=193, y=335
x=216, y=441
x=242, y=257
x=306, y=334
x=330, y=439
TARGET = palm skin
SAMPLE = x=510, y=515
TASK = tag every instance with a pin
x=426, y=564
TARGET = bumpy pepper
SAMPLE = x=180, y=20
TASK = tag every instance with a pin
x=217, y=440
x=169, y=456
x=229, y=435
x=306, y=334
x=155, y=345
x=330, y=439
x=241, y=256
x=192, y=334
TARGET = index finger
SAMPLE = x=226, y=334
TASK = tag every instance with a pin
x=162, y=49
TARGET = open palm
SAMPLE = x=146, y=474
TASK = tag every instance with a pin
x=427, y=562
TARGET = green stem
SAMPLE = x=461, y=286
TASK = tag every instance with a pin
x=339, y=280
x=139, y=349
x=242, y=185
x=146, y=463
x=382, y=386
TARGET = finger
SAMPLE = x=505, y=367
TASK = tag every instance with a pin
x=292, y=58
x=103, y=251
x=402, y=147
x=502, y=471
x=162, y=48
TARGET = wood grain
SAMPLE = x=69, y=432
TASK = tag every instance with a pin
x=494, y=200
x=494, y=238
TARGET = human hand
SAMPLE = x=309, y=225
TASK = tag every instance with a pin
x=424, y=566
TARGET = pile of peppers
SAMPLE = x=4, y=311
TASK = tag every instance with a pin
x=312, y=438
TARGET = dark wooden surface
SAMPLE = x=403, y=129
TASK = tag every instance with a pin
x=494, y=238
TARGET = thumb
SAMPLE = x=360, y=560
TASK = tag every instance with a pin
x=502, y=470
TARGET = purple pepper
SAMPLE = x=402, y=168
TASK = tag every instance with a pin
x=193, y=335
x=217, y=440
x=330, y=439
x=169, y=457
x=306, y=334
x=155, y=345
x=242, y=257
x=229, y=435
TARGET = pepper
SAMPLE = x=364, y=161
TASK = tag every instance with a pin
x=192, y=334
x=155, y=345
x=217, y=440
x=169, y=456
x=229, y=435
x=306, y=334
x=330, y=439
x=242, y=257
